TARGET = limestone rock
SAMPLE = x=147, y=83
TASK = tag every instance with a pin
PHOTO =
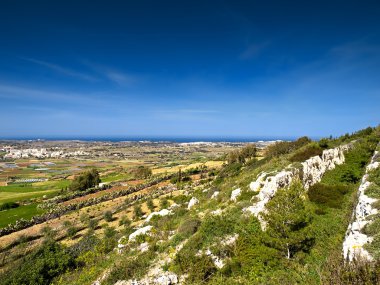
x=167, y=279
x=192, y=203
x=355, y=239
x=141, y=231
x=163, y=212
x=215, y=195
x=235, y=194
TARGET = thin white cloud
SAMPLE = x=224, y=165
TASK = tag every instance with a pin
x=120, y=78
x=114, y=75
x=61, y=69
x=253, y=50
x=21, y=93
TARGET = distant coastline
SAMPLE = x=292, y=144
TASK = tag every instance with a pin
x=153, y=139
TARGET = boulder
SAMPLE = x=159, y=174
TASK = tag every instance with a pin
x=192, y=203
x=215, y=195
x=141, y=231
x=163, y=212
x=235, y=194
x=167, y=278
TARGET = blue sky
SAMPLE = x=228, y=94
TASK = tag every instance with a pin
x=188, y=68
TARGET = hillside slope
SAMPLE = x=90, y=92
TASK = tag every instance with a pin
x=278, y=220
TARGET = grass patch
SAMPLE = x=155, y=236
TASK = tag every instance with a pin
x=328, y=195
x=12, y=215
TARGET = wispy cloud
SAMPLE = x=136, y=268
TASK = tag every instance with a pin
x=22, y=93
x=114, y=75
x=253, y=50
x=61, y=69
x=120, y=78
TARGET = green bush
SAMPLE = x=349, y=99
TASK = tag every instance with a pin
x=42, y=266
x=137, y=211
x=280, y=148
x=108, y=216
x=373, y=191
x=86, y=180
x=374, y=176
x=9, y=205
x=129, y=268
x=164, y=203
x=189, y=227
x=306, y=153
x=327, y=195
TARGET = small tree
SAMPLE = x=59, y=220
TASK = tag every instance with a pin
x=142, y=172
x=137, y=211
x=86, y=180
x=108, y=216
x=48, y=233
x=288, y=221
x=150, y=205
x=164, y=203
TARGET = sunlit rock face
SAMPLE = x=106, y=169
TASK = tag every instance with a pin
x=315, y=167
x=235, y=194
x=355, y=239
x=162, y=213
x=269, y=187
x=312, y=171
x=141, y=231
x=192, y=203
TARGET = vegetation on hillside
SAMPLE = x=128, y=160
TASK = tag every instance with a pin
x=301, y=243
x=86, y=180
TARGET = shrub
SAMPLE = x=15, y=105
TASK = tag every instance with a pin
x=42, y=266
x=137, y=211
x=8, y=205
x=150, y=205
x=142, y=172
x=189, y=227
x=306, y=153
x=327, y=195
x=373, y=191
x=280, y=148
x=374, y=176
x=108, y=216
x=164, y=203
x=86, y=180
x=131, y=267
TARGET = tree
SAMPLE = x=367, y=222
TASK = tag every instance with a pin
x=86, y=180
x=150, y=205
x=142, y=172
x=108, y=216
x=288, y=220
x=164, y=203
x=137, y=211
x=48, y=233
x=249, y=151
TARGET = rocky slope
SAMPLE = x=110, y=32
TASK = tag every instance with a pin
x=310, y=173
x=355, y=238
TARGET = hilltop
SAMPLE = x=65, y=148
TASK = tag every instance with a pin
x=295, y=212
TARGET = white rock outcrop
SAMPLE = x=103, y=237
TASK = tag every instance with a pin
x=167, y=278
x=192, y=203
x=162, y=213
x=269, y=188
x=141, y=231
x=355, y=239
x=313, y=169
x=215, y=195
x=235, y=194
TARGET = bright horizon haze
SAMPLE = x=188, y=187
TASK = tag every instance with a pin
x=188, y=68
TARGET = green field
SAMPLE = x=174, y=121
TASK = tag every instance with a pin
x=12, y=215
x=23, y=193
